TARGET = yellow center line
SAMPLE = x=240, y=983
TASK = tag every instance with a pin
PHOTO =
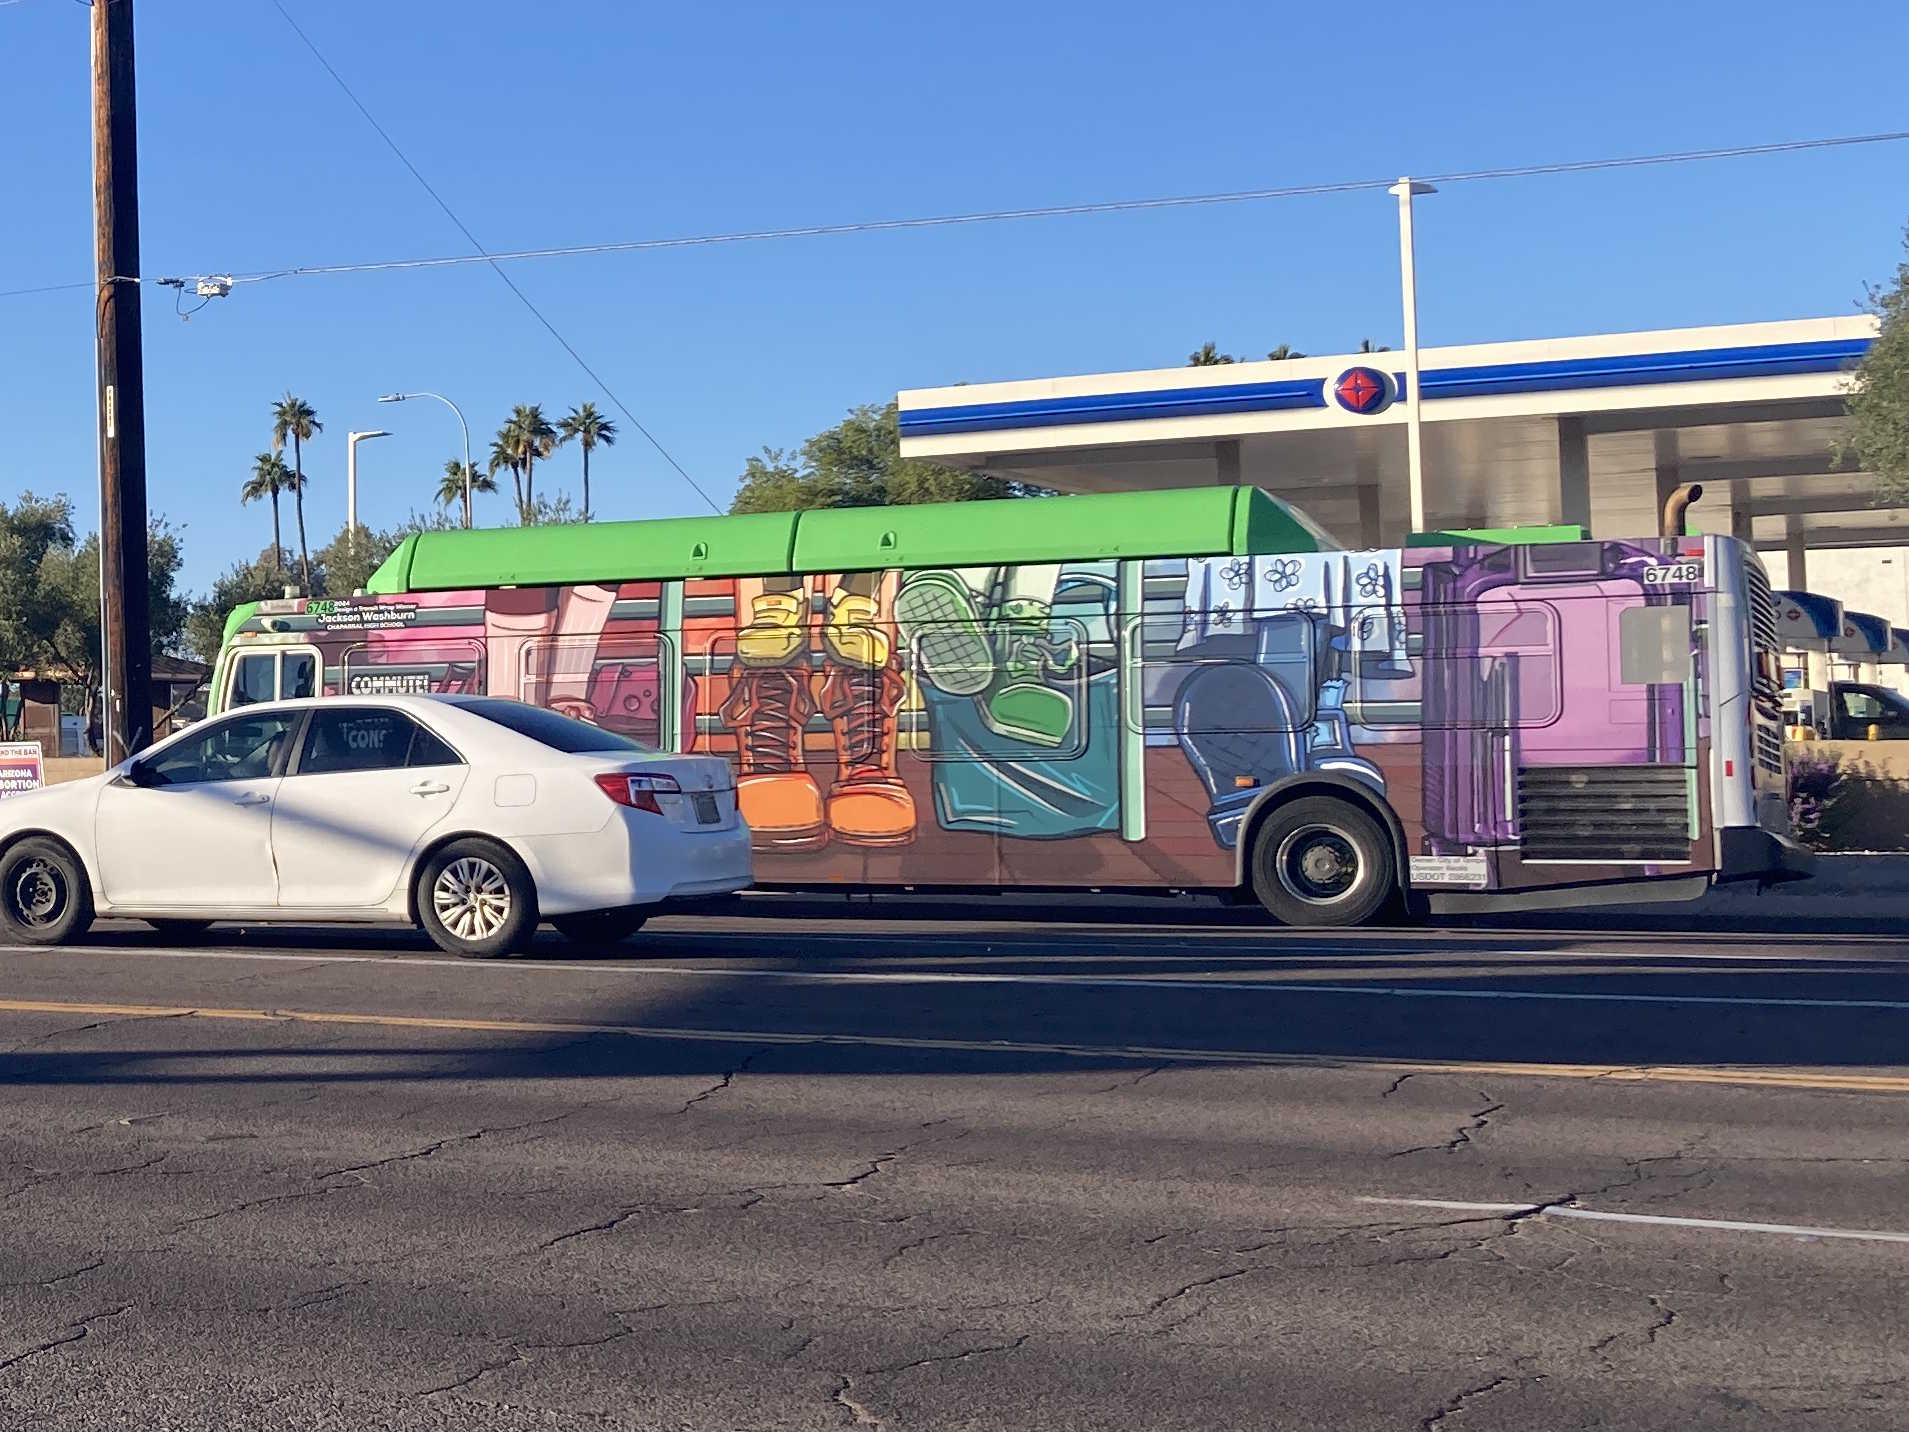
x=1770, y=1078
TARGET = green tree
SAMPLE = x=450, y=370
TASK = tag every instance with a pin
x=295, y=418
x=589, y=429
x=49, y=592
x=504, y=456
x=258, y=580
x=1207, y=356
x=1879, y=393
x=450, y=488
x=1283, y=352
x=269, y=477
x=1366, y=345
x=858, y=463
x=527, y=436
x=549, y=512
x=29, y=529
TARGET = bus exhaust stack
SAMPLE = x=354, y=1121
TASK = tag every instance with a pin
x=1676, y=505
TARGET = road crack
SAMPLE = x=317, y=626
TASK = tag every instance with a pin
x=1463, y=1135
x=728, y=1078
x=1456, y=1405
x=76, y=1331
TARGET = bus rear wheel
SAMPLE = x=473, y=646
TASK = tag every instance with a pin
x=1322, y=863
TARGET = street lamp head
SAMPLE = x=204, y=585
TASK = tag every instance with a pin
x=360, y=437
x=1411, y=187
x=394, y=397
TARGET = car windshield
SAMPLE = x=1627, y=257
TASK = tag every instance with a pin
x=560, y=733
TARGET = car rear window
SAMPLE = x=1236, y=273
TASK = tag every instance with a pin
x=560, y=733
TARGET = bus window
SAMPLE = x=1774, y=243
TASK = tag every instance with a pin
x=1653, y=645
x=414, y=668
x=299, y=676
x=255, y=678
x=623, y=681
x=1257, y=674
x=1491, y=666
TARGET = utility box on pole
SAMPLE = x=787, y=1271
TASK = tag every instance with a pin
x=125, y=621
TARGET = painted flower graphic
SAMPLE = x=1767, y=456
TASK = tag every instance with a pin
x=1223, y=615
x=1236, y=573
x=1366, y=628
x=1371, y=581
x=1303, y=604
x=1283, y=573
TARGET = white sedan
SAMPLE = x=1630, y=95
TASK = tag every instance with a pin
x=474, y=817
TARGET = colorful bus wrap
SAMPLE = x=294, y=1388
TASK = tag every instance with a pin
x=1122, y=691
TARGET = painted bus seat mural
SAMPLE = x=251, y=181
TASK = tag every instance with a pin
x=1111, y=720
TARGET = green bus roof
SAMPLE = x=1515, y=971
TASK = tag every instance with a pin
x=1501, y=536
x=1191, y=522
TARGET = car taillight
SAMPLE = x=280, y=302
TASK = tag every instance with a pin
x=638, y=789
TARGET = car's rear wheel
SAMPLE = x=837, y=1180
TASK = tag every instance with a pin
x=180, y=929
x=476, y=898
x=600, y=927
x=1323, y=863
x=45, y=898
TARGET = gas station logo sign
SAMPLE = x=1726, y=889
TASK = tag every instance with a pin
x=1362, y=390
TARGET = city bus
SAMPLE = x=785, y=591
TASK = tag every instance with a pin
x=1192, y=690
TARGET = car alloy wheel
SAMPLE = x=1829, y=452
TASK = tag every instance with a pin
x=471, y=898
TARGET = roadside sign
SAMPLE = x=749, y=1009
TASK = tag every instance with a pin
x=22, y=768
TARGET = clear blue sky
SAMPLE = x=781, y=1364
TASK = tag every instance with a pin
x=593, y=120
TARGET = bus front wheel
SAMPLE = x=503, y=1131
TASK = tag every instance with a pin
x=1322, y=863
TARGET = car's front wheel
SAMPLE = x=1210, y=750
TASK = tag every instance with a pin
x=599, y=927
x=475, y=898
x=45, y=898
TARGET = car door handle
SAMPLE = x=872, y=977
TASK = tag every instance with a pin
x=429, y=788
x=252, y=798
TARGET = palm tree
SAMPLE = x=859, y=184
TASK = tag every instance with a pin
x=504, y=455
x=588, y=428
x=295, y=418
x=1208, y=356
x=1283, y=352
x=451, y=488
x=269, y=477
x=528, y=436
x=1366, y=345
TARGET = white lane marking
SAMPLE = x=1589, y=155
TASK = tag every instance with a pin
x=1727, y=1225
x=928, y=977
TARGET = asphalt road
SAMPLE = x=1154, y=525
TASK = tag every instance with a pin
x=784, y=1172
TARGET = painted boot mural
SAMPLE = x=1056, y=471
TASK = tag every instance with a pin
x=862, y=690
x=768, y=708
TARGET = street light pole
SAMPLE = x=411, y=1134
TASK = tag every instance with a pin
x=462, y=425
x=1405, y=189
x=351, y=483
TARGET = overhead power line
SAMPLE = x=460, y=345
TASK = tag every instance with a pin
x=484, y=256
x=1055, y=211
x=1048, y=211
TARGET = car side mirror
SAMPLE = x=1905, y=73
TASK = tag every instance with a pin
x=138, y=773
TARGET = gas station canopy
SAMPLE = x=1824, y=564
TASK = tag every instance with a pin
x=1594, y=431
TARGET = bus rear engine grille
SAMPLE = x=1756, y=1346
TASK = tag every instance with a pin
x=1619, y=813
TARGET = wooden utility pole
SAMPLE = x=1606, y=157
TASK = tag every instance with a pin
x=125, y=621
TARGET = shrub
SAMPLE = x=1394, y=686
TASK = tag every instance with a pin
x=1816, y=783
